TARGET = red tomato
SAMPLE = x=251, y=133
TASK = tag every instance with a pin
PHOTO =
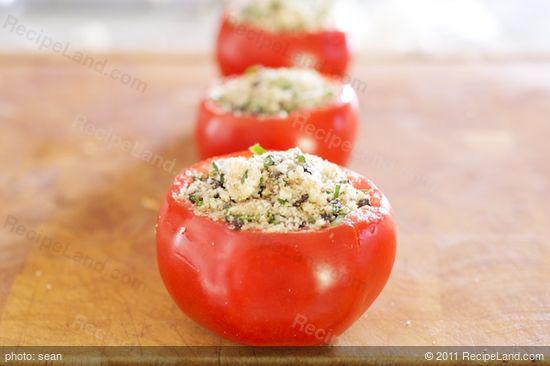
x=240, y=46
x=257, y=288
x=328, y=132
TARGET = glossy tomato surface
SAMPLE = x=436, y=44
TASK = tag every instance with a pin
x=257, y=288
x=240, y=46
x=328, y=132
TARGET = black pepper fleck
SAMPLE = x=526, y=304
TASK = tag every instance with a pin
x=237, y=223
x=301, y=200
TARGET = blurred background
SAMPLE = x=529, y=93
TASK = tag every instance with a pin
x=454, y=129
x=423, y=26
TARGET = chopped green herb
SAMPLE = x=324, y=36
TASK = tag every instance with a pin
x=244, y=177
x=222, y=179
x=338, y=220
x=269, y=161
x=249, y=218
x=272, y=219
x=196, y=199
x=336, y=192
x=240, y=217
x=301, y=159
x=281, y=201
x=257, y=149
x=215, y=167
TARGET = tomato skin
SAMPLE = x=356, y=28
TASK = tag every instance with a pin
x=256, y=288
x=241, y=46
x=328, y=132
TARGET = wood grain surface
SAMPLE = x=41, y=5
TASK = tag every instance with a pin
x=461, y=148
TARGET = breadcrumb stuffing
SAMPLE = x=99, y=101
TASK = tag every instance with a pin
x=275, y=191
x=266, y=91
x=286, y=15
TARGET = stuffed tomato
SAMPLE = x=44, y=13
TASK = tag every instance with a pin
x=280, y=109
x=274, y=247
x=282, y=33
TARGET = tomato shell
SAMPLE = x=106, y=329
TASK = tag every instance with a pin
x=240, y=46
x=258, y=288
x=329, y=132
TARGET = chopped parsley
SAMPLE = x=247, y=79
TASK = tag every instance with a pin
x=269, y=162
x=336, y=192
x=196, y=199
x=257, y=149
x=244, y=177
x=339, y=219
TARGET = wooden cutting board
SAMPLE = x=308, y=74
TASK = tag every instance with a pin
x=460, y=147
